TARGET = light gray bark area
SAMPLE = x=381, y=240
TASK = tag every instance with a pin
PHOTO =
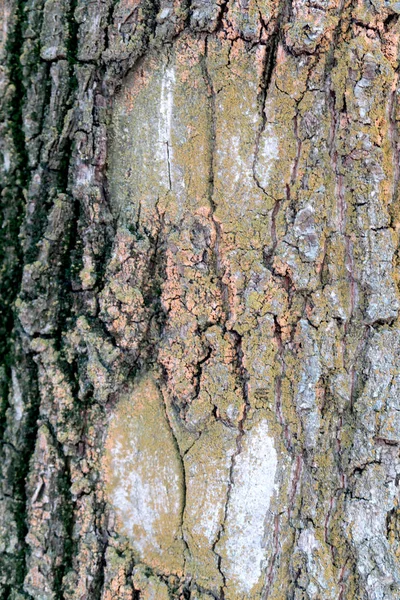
x=199, y=283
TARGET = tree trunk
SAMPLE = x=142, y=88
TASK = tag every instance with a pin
x=200, y=293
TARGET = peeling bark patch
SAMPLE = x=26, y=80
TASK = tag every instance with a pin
x=144, y=478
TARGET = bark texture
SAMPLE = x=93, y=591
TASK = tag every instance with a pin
x=199, y=284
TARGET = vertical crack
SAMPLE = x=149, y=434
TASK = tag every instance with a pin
x=394, y=139
x=169, y=166
x=278, y=384
x=269, y=66
x=219, y=268
x=223, y=10
x=21, y=468
x=66, y=515
x=184, y=482
x=395, y=143
x=341, y=203
x=275, y=552
x=268, y=70
x=12, y=203
x=298, y=147
x=220, y=272
x=243, y=378
x=13, y=186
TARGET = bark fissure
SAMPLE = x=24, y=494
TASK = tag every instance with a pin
x=265, y=83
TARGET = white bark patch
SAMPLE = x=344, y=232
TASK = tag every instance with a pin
x=144, y=477
x=207, y=468
x=268, y=155
x=210, y=511
x=307, y=542
x=17, y=396
x=141, y=499
x=165, y=122
x=7, y=161
x=252, y=489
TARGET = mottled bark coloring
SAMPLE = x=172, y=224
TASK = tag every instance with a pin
x=200, y=334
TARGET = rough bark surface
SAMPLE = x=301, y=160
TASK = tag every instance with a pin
x=199, y=284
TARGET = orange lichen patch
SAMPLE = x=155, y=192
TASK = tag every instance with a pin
x=139, y=80
x=125, y=8
x=238, y=47
x=189, y=52
x=391, y=43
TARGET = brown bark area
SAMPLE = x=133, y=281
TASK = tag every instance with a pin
x=199, y=266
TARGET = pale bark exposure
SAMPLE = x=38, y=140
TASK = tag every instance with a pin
x=199, y=294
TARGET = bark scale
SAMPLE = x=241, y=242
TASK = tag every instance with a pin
x=199, y=285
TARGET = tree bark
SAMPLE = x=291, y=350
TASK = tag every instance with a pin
x=200, y=333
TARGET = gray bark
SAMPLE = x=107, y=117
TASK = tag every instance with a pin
x=199, y=331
